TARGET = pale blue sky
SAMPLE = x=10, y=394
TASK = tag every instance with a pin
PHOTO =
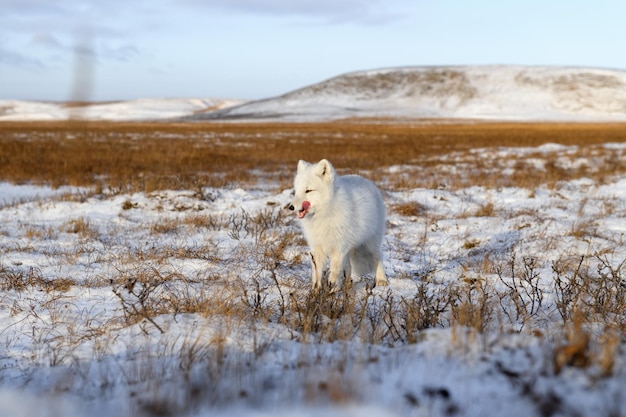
x=249, y=49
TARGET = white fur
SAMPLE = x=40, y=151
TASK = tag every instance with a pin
x=344, y=224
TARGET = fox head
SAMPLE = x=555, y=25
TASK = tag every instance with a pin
x=314, y=186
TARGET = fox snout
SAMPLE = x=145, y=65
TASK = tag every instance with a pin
x=303, y=211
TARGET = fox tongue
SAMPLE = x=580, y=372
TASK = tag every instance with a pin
x=305, y=208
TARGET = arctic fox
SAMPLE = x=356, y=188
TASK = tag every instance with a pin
x=343, y=220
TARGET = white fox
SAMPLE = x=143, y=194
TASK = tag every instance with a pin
x=343, y=219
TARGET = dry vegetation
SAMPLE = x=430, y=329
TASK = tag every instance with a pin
x=152, y=156
x=250, y=275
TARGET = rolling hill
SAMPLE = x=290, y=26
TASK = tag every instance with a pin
x=515, y=93
x=467, y=92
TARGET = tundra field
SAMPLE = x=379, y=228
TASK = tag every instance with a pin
x=152, y=269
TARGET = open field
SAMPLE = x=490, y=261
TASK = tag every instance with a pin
x=151, y=269
x=151, y=156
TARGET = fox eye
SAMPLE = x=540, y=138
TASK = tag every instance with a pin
x=308, y=191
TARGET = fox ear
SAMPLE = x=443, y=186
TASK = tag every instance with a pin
x=325, y=170
x=302, y=165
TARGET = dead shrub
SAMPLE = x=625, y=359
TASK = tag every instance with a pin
x=18, y=278
x=485, y=210
x=522, y=297
x=409, y=209
x=598, y=294
x=165, y=225
x=576, y=351
x=473, y=304
x=143, y=292
x=426, y=309
x=82, y=227
x=128, y=205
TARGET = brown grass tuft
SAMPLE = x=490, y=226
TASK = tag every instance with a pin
x=409, y=209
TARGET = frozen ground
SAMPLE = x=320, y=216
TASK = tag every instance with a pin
x=502, y=301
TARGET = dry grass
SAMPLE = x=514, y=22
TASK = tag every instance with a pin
x=82, y=227
x=152, y=156
x=19, y=278
x=409, y=209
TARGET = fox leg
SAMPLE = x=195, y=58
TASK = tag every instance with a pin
x=347, y=269
x=337, y=265
x=381, y=278
x=317, y=269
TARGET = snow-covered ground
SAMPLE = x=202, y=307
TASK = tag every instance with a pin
x=198, y=302
x=461, y=92
x=141, y=109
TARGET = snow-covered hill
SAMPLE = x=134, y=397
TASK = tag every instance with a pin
x=468, y=92
x=454, y=92
x=142, y=109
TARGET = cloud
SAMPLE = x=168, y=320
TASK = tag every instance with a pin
x=16, y=8
x=124, y=53
x=329, y=11
x=61, y=24
x=19, y=60
x=46, y=40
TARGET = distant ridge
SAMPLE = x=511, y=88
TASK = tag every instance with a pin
x=468, y=92
x=131, y=110
x=497, y=92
